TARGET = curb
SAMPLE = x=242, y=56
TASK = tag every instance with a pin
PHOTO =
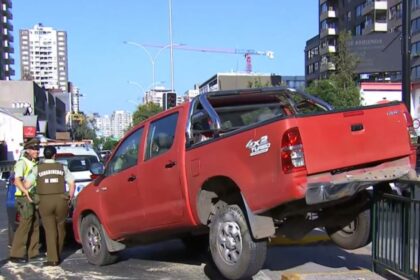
x=314, y=236
x=342, y=275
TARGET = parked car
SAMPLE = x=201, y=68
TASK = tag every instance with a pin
x=243, y=166
x=78, y=156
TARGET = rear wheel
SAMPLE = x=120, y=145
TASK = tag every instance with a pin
x=235, y=253
x=93, y=242
x=355, y=235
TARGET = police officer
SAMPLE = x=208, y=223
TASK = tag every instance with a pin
x=26, y=238
x=50, y=179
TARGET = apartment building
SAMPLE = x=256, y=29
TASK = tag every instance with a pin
x=6, y=46
x=358, y=17
x=43, y=55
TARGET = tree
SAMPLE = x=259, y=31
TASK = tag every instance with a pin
x=340, y=90
x=83, y=128
x=257, y=83
x=145, y=111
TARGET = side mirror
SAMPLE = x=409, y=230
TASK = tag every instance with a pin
x=97, y=169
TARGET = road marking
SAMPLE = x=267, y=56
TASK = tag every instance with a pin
x=3, y=230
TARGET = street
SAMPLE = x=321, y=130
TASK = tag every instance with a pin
x=169, y=260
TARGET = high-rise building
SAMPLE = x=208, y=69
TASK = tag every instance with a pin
x=6, y=48
x=103, y=126
x=357, y=17
x=120, y=122
x=375, y=26
x=43, y=57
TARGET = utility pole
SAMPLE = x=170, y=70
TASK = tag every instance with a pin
x=406, y=53
x=172, y=45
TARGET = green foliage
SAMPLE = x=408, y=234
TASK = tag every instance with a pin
x=105, y=143
x=83, y=130
x=257, y=83
x=109, y=143
x=328, y=91
x=145, y=111
x=340, y=90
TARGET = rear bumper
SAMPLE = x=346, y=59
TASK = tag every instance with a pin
x=325, y=187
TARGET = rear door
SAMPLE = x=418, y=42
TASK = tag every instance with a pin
x=119, y=190
x=162, y=196
x=350, y=138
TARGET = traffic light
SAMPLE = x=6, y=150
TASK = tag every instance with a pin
x=169, y=100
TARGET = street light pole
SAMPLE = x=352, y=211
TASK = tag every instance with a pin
x=171, y=45
x=152, y=58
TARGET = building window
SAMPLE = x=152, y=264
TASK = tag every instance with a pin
x=415, y=4
x=415, y=73
x=359, y=10
x=415, y=26
x=395, y=12
x=415, y=49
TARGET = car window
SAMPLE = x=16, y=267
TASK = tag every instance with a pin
x=77, y=163
x=127, y=153
x=161, y=136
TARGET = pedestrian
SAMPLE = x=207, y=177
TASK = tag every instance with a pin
x=50, y=177
x=26, y=238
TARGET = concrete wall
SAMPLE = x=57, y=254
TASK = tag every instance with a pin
x=15, y=94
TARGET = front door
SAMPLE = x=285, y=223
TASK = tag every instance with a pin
x=162, y=197
x=120, y=196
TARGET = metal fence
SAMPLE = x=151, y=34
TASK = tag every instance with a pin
x=396, y=232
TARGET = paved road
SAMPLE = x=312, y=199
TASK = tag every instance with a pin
x=169, y=260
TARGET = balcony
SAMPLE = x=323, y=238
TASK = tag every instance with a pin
x=375, y=27
x=378, y=5
x=328, y=32
x=327, y=49
x=329, y=66
x=331, y=13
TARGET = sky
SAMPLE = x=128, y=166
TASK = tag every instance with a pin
x=101, y=65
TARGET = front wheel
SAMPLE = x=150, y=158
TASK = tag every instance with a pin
x=234, y=251
x=93, y=242
x=355, y=235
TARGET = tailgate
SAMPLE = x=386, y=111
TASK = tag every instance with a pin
x=350, y=138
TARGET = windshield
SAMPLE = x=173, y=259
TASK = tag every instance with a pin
x=77, y=163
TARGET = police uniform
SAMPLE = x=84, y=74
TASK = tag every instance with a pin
x=50, y=179
x=26, y=237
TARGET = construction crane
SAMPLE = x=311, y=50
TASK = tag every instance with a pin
x=246, y=52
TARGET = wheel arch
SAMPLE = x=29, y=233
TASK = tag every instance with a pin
x=221, y=190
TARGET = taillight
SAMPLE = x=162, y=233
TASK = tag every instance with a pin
x=292, y=156
x=411, y=131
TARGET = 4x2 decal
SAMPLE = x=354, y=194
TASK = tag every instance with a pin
x=259, y=146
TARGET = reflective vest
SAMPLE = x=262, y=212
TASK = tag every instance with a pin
x=50, y=178
x=29, y=164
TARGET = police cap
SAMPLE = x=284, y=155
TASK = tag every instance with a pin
x=32, y=144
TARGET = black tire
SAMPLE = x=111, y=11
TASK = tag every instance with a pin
x=93, y=242
x=235, y=253
x=355, y=235
x=196, y=244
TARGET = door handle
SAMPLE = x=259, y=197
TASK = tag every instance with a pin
x=103, y=189
x=357, y=127
x=170, y=164
x=131, y=178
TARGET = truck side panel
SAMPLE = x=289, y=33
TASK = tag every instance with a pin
x=259, y=177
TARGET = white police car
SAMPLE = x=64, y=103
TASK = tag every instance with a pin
x=78, y=156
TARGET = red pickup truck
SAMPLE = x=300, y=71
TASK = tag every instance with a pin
x=236, y=168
